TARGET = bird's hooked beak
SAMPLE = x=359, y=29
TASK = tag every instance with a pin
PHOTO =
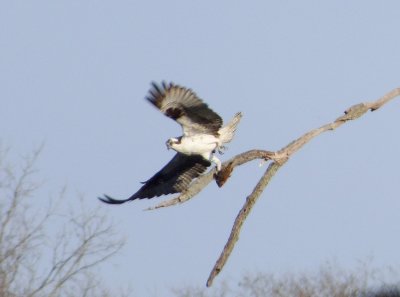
x=168, y=144
x=172, y=142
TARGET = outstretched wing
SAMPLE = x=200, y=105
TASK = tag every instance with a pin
x=174, y=177
x=186, y=108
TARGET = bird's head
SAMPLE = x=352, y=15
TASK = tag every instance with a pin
x=172, y=142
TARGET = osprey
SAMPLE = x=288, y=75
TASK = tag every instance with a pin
x=203, y=135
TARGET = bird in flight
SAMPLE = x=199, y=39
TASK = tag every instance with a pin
x=203, y=135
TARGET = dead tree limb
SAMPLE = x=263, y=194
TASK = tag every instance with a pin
x=279, y=158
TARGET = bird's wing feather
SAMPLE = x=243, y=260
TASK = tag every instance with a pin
x=186, y=108
x=174, y=177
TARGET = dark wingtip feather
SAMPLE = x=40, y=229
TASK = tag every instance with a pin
x=155, y=94
x=109, y=200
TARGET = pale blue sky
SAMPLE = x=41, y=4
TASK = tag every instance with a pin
x=74, y=74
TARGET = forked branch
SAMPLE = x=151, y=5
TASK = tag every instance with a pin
x=278, y=158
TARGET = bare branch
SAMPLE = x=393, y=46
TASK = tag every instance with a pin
x=352, y=113
x=241, y=217
x=36, y=260
x=94, y=244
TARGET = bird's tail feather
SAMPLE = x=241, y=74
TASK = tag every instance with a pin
x=227, y=132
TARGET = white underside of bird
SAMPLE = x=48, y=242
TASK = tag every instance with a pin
x=205, y=145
